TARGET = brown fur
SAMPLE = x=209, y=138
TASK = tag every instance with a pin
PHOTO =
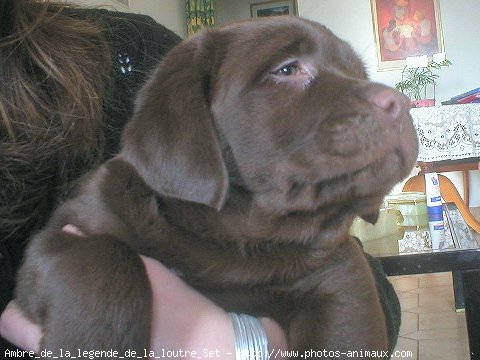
x=243, y=178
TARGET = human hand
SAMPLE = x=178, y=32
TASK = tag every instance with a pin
x=19, y=330
x=191, y=322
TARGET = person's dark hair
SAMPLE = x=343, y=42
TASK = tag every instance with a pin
x=54, y=70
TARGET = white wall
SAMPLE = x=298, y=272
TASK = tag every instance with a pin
x=231, y=10
x=352, y=21
x=170, y=13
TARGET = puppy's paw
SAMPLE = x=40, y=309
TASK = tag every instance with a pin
x=85, y=292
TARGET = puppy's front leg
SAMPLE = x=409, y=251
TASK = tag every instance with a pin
x=87, y=293
x=340, y=316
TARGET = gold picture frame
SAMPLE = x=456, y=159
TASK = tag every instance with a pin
x=404, y=28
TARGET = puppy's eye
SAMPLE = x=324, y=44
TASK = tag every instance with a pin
x=289, y=69
x=293, y=73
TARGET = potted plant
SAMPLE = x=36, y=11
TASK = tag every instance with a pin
x=416, y=81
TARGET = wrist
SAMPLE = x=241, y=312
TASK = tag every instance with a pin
x=277, y=340
x=186, y=320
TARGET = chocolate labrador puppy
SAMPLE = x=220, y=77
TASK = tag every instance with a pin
x=251, y=150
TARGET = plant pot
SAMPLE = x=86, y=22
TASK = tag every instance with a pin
x=423, y=103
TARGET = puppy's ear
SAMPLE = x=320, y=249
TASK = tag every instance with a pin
x=171, y=139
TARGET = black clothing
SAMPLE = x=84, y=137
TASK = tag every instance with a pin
x=137, y=44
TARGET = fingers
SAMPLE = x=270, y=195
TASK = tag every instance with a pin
x=182, y=317
x=17, y=329
x=185, y=319
x=72, y=229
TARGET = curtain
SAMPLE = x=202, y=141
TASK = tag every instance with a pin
x=199, y=15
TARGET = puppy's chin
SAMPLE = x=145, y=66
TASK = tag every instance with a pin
x=341, y=198
x=371, y=218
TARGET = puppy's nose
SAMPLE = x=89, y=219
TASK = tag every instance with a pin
x=391, y=102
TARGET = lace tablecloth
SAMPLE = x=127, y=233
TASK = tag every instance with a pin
x=449, y=132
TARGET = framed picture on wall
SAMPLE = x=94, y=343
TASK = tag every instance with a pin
x=405, y=28
x=273, y=8
x=124, y=2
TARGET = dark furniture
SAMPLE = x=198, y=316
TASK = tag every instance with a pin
x=462, y=259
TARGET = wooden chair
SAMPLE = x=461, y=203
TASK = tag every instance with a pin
x=449, y=194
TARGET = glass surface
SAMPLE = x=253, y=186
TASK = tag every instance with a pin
x=415, y=240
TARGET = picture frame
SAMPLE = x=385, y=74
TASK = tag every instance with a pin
x=273, y=8
x=124, y=2
x=405, y=28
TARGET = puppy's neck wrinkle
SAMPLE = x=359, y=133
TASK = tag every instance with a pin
x=207, y=257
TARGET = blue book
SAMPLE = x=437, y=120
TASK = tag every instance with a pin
x=471, y=92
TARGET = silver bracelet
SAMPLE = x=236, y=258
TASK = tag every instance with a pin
x=251, y=342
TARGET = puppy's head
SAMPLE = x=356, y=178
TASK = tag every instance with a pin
x=279, y=108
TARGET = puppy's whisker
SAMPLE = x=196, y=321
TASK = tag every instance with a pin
x=250, y=213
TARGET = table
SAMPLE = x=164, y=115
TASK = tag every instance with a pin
x=408, y=252
x=449, y=132
x=449, y=139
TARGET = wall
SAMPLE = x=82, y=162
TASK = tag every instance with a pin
x=170, y=13
x=352, y=21
x=231, y=10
